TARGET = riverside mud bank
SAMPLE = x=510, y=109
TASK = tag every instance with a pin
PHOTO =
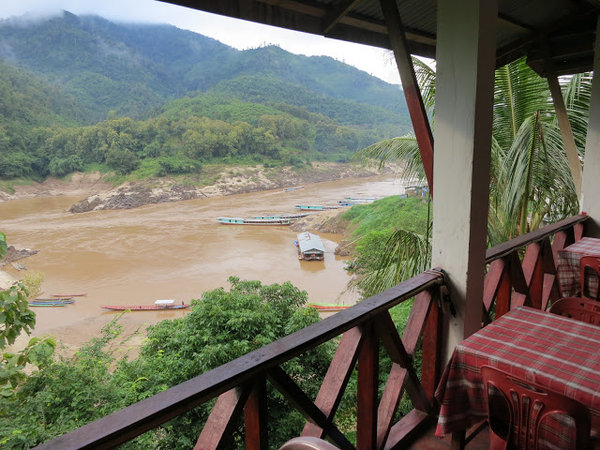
x=98, y=194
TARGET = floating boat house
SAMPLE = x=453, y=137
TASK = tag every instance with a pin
x=310, y=247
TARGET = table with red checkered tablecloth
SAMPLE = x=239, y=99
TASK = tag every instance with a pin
x=559, y=353
x=568, y=268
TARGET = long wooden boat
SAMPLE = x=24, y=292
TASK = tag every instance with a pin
x=327, y=307
x=68, y=295
x=253, y=221
x=284, y=216
x=47, y=304
x=53, y=299
x=317, y=207
x=159, y=305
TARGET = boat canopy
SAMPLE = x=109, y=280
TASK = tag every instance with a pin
x=310, y=243
x=169, y=301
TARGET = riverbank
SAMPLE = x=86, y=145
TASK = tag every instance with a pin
x=213, y=182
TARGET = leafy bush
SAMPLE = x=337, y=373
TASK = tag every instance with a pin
x=59, y=167
x=177, y=164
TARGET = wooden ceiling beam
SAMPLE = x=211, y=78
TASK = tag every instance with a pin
x=337, y=14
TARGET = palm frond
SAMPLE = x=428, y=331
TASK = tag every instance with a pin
x=401, y=150
x=405, y=255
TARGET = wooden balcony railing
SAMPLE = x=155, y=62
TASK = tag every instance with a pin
x=522, y=271
x=240, y=385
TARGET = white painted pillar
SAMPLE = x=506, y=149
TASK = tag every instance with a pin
x=465, y=62
x=590, y=189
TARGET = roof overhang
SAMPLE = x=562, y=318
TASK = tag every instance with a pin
x=558, y=33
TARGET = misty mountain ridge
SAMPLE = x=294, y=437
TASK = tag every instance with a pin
x=134, y=69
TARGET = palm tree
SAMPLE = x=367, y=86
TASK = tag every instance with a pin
x=530, y=179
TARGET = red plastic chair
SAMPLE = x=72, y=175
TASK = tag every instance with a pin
x=582, y=309
x=517, y=408
x=589, y=269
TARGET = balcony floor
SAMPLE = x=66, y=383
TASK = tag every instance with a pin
x=429, y=441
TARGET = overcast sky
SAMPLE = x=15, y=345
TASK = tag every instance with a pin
x=233, y=32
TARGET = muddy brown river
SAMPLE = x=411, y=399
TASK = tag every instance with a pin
x=170, y=250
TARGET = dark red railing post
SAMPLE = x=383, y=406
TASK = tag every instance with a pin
x=367, y=389
x=222, y=419
x=255, y=416
x=431, y=365
x=336, y=379
x=534, y=273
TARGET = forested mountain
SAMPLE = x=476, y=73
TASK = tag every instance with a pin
x=81, y=91
x=131, y=67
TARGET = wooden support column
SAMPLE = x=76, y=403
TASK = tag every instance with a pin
x=414, y=101
x=464, y=98
x=565, y=129
x=590, y=198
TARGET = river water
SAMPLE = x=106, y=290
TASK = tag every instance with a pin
x=170, y=250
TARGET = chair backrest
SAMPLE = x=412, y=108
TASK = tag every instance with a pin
x=589, y=274
x=518, y=407
x=578, y=308
x=307, y=443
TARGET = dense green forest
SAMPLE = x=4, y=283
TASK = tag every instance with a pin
x=82, y=93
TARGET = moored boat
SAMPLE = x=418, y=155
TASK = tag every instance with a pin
x=253, y=221
x=310, y=247
x=327, y=307
x=159, y=305
x=317, y=207
x=48, y=304
x=284, y=216
x=68, y=295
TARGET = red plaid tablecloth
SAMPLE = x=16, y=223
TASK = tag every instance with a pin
x=568, y=267
x=551, y=350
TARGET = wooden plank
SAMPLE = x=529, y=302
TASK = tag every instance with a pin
x=412, y=93
x=296, y=396
x=395, y=348
x=550, y=290
x=517, y=277
x=334, y=17
x=335, y=381
x=501, y=250
x=533, y=273
x=416, y=321
x=367, y=389
x=411, y=425
x=390, y=399
x=431, y=364
x=503, y=296
x=578, y=229
x=492, y=283
x=550, y=281
x=222, y=419
x=560, y=242
x=255, y=416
